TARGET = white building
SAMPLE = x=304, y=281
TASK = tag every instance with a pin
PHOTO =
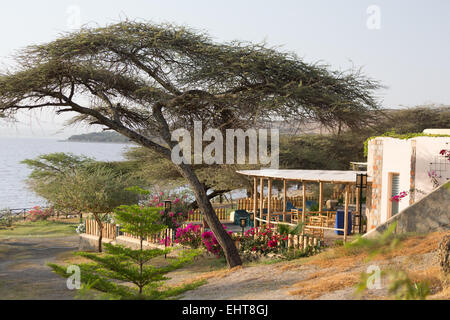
x=404, y=165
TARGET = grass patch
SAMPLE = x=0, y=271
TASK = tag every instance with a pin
x=39, y=229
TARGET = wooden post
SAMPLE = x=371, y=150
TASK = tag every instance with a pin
x=261, y=185
x=255, y=200
x=284, y=194
x=320, y=197
x=304, y=201
x=269, y=201
x=358, y=214
x=346, y=199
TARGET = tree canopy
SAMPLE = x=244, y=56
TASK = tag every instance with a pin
x=145, y=80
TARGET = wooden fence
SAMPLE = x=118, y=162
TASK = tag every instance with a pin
x=197, y=215
x=275, y=203
x=109, y=230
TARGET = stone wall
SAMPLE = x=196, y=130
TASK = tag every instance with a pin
x=375, y=171
x=429, y=214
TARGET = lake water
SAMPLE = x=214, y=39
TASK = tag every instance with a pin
x=13, y=189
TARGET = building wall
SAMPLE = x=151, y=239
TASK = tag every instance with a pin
x=411, y=159
x=429, y=214
x=396, y=159
x=427, y=158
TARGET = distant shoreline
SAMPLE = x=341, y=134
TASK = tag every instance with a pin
x=102, y=137
x=91, y=141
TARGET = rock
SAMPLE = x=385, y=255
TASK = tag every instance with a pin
x=444, y=254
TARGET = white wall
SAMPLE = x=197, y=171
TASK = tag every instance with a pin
x=427, y=151
x=396, y=159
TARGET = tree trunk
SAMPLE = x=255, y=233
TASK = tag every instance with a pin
x=100, y=234
x=224, y=239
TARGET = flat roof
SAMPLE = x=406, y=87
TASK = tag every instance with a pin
x=331, y=176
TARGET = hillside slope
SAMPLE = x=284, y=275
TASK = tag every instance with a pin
x=333, y=274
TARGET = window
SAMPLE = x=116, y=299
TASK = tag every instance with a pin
x=394, y=186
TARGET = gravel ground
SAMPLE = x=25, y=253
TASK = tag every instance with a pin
x=24, y=273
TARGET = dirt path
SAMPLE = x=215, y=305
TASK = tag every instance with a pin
x=24, y=273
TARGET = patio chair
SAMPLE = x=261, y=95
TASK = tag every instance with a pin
x=316, y=222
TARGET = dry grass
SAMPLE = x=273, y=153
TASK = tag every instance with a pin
x=333, y=260
x=218, y=274
x=415, y=245
x=337, y=267
x=444, y=294
x=433, y=276
x=321, y=283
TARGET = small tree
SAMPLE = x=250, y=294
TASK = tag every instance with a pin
x=99, y=191
x=139, y=220
x=131, y=265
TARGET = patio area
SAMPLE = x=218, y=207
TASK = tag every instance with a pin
x=321, y=223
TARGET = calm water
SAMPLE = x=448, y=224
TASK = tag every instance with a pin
x=13, y=189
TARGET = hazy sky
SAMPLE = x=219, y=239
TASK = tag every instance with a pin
x=403, y=44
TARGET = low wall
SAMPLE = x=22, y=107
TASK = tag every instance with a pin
x=429, y=214
x=90, y=243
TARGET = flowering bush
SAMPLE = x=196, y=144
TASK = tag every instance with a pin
x=189, y=236
x=211, y=243
x=37, y=213
x=81, y=228
x=445, y=153
x=400, y=196
x=179, y=209
x=165, y=241
x=262, y=241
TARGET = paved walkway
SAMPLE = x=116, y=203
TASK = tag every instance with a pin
x=24, y=273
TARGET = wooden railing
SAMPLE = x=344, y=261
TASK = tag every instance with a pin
x=315, y=222
x=109, y=230
x=275, y=203
x=197, y=215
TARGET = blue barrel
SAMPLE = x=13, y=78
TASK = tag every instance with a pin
x=340, y=216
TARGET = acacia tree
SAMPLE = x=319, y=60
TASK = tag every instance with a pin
x=79, y=184
x=143, y=80
x=156, y=170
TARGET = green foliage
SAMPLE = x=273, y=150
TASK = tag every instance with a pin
x=53, y=165
x=129, y=265
x=285, y=229
x=139, y=220
x=79, y=184
x=378, y=245
x=6, y=218
x=39, y=229
x=403, y=288
x=403, y=136
x=157, y=170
